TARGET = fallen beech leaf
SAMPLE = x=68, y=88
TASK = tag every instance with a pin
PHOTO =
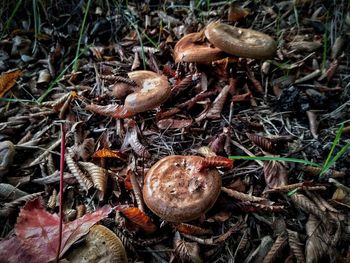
x=38, y=229
x=186, y=251
x=174, y=124
x=8, y=80
x=106, y=153
x=139, y=218
x=275, y=174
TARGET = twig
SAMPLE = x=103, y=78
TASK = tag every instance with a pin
x=63, y=137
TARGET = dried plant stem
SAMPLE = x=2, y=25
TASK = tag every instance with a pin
x=242, y=196
x=299, y=186
x=63, y=137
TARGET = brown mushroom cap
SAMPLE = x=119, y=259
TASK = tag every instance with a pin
x=240, y=42
x=154, y=91
x=191, y=48
x=176, y=191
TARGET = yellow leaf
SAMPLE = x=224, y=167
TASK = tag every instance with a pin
x=8, y=80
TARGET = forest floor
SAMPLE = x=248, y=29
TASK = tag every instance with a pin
x=283, y=118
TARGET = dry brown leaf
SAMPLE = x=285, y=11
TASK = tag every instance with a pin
x=275, y=174
x=235, y=12
x=186, y=251
x=8, y=80
x=98, y=175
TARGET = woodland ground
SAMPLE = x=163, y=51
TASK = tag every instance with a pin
x=59, y=57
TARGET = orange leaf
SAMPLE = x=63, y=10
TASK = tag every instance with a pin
x=192, y=229
x=8, y=80
x=139, y=218
x=127, y=182
x=106, y=153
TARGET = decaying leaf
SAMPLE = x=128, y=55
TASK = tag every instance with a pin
x=37, y=231
x=215, y=161
x=275, y=174
x=192, y=229
x=107, y=153
x=98, y=175
x=319, y=242
x=8, y=80
x=139, y=218
x=276, y=249
x=84, y=181
x=296, y=246
x=186, y=251
x=174, y=124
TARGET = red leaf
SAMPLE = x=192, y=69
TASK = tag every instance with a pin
x=139, y=218
x=12, y=251
x=39, y=229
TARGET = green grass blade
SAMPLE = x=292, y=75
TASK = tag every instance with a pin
x=141, y=42
x=334, y=144
x=336, y=157
x=8, y=22
x=267, y=158
x=82, y=28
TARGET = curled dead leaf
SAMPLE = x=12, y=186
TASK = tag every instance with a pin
x=8, y=80
x=139, y=218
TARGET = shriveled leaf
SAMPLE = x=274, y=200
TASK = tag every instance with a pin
x=139, y=218
x=192, y=229
x=186, y=251
x=8, y=80
x=98, y=175
x=174, y=124
x=318, y=244
x=235, y=12
x=107, y=153
x=12, y=251
x=275, y=174
x=127, y=182
x=38, y=229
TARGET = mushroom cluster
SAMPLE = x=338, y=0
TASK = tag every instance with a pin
x=177, y=191
x=224, y=39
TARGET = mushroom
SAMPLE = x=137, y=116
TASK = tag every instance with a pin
x=193, y=48
x=240, y=42
x=153, y=90
x=175, y=190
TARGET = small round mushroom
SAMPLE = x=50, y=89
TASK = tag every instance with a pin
x=240, y=42
x=192, y=48
x=153, y=90
x=175, y=190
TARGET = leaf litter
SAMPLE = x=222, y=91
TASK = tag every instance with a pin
x=284, y=119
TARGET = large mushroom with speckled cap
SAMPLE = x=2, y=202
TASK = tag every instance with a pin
x=240, y=42
x=177, y=191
